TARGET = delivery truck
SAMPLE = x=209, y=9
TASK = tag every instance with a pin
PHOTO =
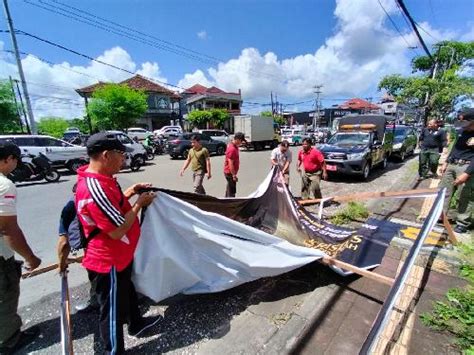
x=259, y=131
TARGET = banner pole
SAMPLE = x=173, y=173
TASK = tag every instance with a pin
x=66, y=338
x=400, y=281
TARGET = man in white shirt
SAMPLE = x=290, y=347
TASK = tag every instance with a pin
x=282, y=157
x=12, y=240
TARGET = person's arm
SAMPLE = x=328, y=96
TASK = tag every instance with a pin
x=63, y=250
x=135, y=189
x=208, y=167
x=185, y=166
x=232, y=168
x=273, y=159
x=298, y=165
x=144, y=200
x=15, y=239
x=286, y=167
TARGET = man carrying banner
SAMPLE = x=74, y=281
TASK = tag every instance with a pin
x=200, y=161
x=282, y=157
x=12, y=240
x=232, y=164
x=432, y=141
x=458, y=173
x=103, y=207
x=314, y=168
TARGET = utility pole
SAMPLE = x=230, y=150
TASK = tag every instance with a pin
x=271, y=98
x=317, y=91
x=22, y=107
x=16, y=104
x=20, y=68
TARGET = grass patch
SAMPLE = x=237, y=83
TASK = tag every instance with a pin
x=455, y=314
x=354, y=211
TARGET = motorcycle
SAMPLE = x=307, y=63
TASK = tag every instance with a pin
x=150, y=155
x=133, y=162
x=34, y=168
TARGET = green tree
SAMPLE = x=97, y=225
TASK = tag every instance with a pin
x=53, y=126
x=80, y=123
x=218, y=117
x=437, y=83
x=199, y=118
x=9, y=119
x=115, y=106
x=266, y=114
x=277, y=118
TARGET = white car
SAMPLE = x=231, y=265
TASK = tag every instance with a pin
x=293, y=136
x=217, y=134
x=167, y=131
x=61, y=153
x=140, y=133
x=138, y=148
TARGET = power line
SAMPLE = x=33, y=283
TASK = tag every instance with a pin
x=413, y=25
x=124, y=31
x=425, y=31
x=395, y=25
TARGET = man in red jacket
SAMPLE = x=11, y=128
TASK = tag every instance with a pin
x=232, y=164
x=111, y=222
x=314, y=168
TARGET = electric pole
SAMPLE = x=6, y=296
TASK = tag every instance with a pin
x=317, y=91
x=30, y=117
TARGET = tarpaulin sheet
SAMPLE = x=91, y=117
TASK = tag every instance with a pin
x=197, y=244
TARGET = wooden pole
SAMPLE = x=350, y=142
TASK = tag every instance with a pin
x=449, y=229
x=48, y=268
x=369, y=195
x=327, y=260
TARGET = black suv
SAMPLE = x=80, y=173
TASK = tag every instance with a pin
x=179, y=146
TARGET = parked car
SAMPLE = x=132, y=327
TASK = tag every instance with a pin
x=140, y=133
x=361, y=143
x=167, y=131
x=139, y=153
x=404, y=141
x=72, y=130
x=61, y=153
x=293, y=136
x=180, y=146
x=216, y=134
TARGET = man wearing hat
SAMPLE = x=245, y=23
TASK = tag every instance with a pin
x=104, y=209
x=12, y=241
x=232, y=163
x=458, y=173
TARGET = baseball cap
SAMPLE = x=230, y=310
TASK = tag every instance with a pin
x=240, y=135
x=9, y=148
x=467, y=114
x=105, y=141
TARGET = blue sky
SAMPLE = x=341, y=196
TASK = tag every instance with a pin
x=279, y=45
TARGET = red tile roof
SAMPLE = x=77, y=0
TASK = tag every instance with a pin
x=137, y=82
x=358, y=104
x=195, y=89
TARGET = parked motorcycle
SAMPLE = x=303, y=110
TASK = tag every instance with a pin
x=34, y=168
x=134, y=162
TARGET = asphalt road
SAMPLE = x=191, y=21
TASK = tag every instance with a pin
x=39, y=204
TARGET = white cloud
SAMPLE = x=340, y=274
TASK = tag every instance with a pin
x=363, y=48
x=202, y=35
x=469, y=35
x=52, y=86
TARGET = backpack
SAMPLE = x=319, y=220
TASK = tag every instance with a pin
x=75, y=232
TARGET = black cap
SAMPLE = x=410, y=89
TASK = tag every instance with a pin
x=105, y=141
x=240, y=135
x=467, y=114
x=9, y=148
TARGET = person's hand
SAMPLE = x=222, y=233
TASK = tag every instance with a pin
x=325, y=175
x=209, y=176
x=461, y=179
x=145, y=199
x=135, y=189
x=235, y=178
x=32, y=262
x=298, y=169
x=181, y=172
x=443, y=168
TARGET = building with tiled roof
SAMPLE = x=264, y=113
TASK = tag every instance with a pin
x=199, y=97
x=163, y=104
x=359, y=104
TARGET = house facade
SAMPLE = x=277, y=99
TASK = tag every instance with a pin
x=199, y=97
x=163, y=104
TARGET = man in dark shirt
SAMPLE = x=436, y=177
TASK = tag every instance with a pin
x=458, y=171
x=432, y=141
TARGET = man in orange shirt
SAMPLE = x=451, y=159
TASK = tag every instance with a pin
x=314, y=168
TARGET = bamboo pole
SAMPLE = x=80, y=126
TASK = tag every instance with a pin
x=369, y=195
x=327, y=260
x=50, y=267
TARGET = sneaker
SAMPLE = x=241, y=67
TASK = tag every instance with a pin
x=87, y=307
x=27, y=336
x=138, y=329
x=460, y=229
